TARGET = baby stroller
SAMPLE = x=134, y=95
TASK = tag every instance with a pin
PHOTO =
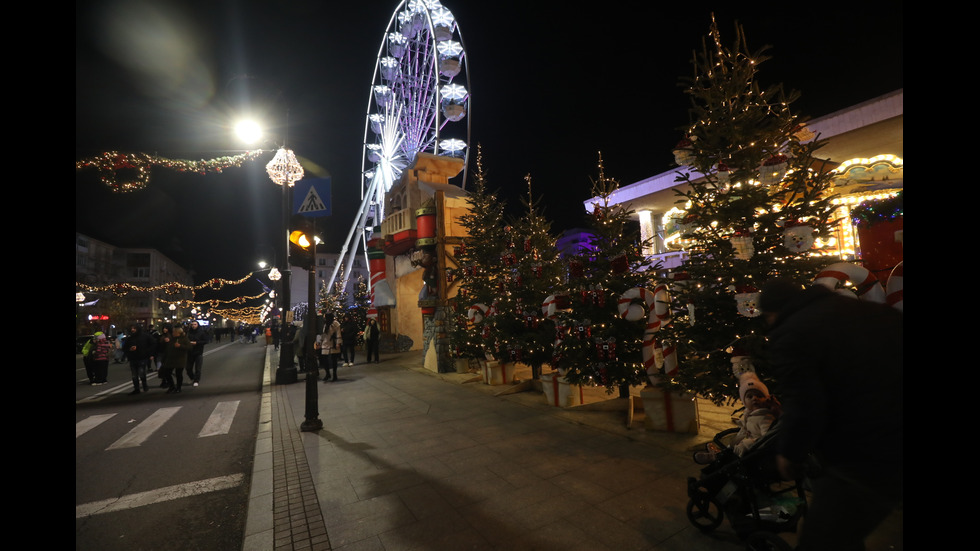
x=750, y=492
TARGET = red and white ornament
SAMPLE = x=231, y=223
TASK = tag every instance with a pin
x=747, y=301
x=742, y=244
x=798, y=236
x=773, y=169
x=684, y=152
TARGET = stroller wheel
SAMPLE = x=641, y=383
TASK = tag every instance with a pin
x=704, y=513
x=766, y=541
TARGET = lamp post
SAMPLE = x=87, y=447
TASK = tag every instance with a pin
x=285, y=171
x=312, y=421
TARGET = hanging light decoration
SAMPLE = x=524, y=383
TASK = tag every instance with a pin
x=284, y=169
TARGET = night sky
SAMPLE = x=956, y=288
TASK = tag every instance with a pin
x=551, y=87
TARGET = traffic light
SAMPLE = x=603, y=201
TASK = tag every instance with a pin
x=302, y=249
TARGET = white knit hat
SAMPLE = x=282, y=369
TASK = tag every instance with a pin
x=750, y=380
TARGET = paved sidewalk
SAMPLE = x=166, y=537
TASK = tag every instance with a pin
x=409, y=459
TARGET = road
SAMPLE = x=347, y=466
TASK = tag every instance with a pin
x=160, y=472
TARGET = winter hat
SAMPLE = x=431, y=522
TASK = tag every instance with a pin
x=777, y=293
x=750, y=380
x=99, y=335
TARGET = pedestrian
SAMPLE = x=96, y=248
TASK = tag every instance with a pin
x=330, y=342
x=348, y=334
x=87, y=359
x=276, y=335
x=297, y=336
x=101, y=349
x=838, y=364
x=163, y=343
x=268, y=336
x=120, y=354
x=176, y=359
x=372, y=335
x=198, y=337
x=139, y=346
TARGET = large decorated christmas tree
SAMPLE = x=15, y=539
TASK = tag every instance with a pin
x=477, y=268
x=755, y=207
x=529, y=271
x=599, y=339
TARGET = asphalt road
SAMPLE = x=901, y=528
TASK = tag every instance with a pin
x=160, y=472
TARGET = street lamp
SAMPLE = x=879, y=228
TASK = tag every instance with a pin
x=285, y=171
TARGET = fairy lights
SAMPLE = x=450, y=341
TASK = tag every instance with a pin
x=128, y=172
x=284, y=168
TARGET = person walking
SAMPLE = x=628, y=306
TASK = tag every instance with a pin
x=348, y=333
x=198, y=337
x=120, y=353
x=176, y=359
x=276, y=335
x=163, y=343
x=330, y=342
x=139, y=346
x=87, y=360
x=99, y=354
x=842, y=404
x=297, y=336
x=372, y=335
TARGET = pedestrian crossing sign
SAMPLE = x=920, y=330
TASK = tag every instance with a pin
x=311, y=197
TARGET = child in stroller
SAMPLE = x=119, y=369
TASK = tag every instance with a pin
x=743, y=482
x=759, y=414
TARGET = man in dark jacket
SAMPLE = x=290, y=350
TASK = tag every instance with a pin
x=140, y=347
x=837, y=365
x=195, y=358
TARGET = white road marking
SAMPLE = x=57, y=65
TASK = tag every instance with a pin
x=220, y=420
x=156, y=496
x=142, y=431
x=90, y=423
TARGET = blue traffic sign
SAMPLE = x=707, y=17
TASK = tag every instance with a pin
x=311, y=197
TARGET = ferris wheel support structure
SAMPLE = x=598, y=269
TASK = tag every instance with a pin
x=419, y=89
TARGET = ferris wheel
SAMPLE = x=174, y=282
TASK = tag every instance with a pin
x=417, y=102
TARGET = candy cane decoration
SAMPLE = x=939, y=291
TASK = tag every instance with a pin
x=657, y=302
x=868, y=286
x=477, y=312
x=893, y=287
x=629, y=310
x=549, y=308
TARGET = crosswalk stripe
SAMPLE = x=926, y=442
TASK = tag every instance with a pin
x=156, y=496
x=142, y=431
x=90, y=423
x=220, y=420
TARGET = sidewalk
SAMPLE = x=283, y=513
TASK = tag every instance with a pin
x=409, y=459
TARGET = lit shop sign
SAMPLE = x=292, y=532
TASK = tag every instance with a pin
x=102, y=317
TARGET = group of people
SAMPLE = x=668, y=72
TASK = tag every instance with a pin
x=171, y=352
x=337, y=343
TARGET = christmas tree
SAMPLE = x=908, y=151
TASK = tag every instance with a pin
x=333, y=301
x=530, y=270
x=756, y=201
x=362, y=303
x=599, y=343
x=478, y=266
